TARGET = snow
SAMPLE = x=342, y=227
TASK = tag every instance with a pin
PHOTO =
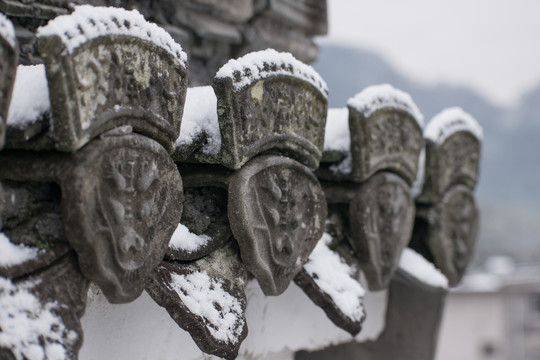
x=200, y=116
x=203, y=296
x=450, y=121
x=29, y=328
x=335, y=278
x=262, y=64
x=415, y=265
x=30, y=98
x=12, y=254
x=7, y=31
x=418, y=184
x=184, y=240
x=378, y=97
x=89, y=22
x=337, y=135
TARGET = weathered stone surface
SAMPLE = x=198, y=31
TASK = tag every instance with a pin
x=40, y=314
x=121, y=203
x=113, y=80
x=382, y=218
x=206, y=298
x=277, y=212
x=8, y=68
x=389, y=139
x=204, y=213
x=277, y=105
x=45, y=9
x=308, y=15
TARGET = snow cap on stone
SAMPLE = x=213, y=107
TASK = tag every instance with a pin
x=450, y=121
x=418, y=267
x=378, y=97
x=262, y=64
x=89, y=22
x=7, y=31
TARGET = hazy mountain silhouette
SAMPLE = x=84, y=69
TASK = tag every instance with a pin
x=508, y=193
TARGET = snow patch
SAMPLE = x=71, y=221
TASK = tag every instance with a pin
x=335, y=278
x=418, y=184
x=203, y=296
x=7, y=31
x=378, y=97
x=262, y=64
x=184, y=240
x=337, y=136
x=200, y=116
x=29, y=328
x=415, y=265
x=89, y=22
x=30, y=98
x=448, y=122
x=12, y=254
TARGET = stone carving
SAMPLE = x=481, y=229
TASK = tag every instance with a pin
x=453, y=232
x=117, y=78
x=8, y=68
x=388, y=139
x=44, y=9
x=277, y=212
x=277, y=106
x=206, y=298
x=121, y=205
x=48, y=305
x=382, y=218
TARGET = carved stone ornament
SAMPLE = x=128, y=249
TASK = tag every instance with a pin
x=277, y=211
x=112, y=79
x=8, y=69
x=389, y=139
x=382, y=219
x=121, y=204
x=270, y=106
x=453, y=232
x=206, y=298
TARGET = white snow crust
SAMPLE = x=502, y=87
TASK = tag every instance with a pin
x=200, y=294
x=13, y=254
x=183, y=239
x=258, y=65
x=418, y=267
x=335, y=278
x=30, y=98
x=7, y=31
x=200, y=116
x=29, y=328
x=337, y=136
x=377, y=97
x=450, y=121
x=89, y=22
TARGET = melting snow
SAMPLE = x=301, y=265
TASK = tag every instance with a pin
x=184, y=240
x=418, y=267
x=205, y=297
x=12, y=254
x=377, y=97
x=30, y=98
x=7, y=31
x=450, y=121
x=262, y=64
x=89, y=22
x=335, y=278
x=200, y=116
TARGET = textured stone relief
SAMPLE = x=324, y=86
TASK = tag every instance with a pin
x=460, y=156
x=277, y=212
x=206, y=298
x=8, y=68
x=382, y=218
x=454, y=230
x=121, y=206
x=388, y=139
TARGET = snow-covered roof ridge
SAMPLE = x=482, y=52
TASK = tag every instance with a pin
x=89, y=22
x=377, y=97
x=262, y=64
x=450, y=121
x=7, y=31
x=416, y=266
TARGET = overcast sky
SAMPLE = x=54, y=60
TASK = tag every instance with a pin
x=492, y=46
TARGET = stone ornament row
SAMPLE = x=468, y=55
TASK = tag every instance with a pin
x=104, y=192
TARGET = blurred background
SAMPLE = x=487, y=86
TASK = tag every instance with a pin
x=483, y=56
